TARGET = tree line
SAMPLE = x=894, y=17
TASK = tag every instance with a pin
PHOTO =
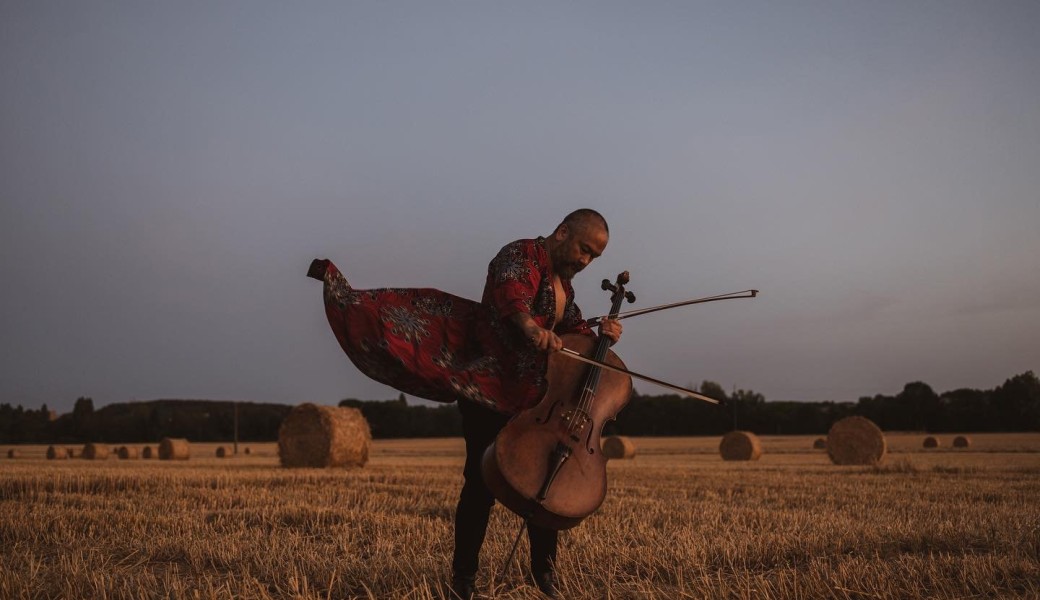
x=1011, y=406
x=142, y=422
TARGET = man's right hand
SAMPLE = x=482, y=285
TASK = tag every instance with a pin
x=543, y=339
x=539, y=337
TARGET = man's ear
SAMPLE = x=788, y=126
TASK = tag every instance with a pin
x=562, y=232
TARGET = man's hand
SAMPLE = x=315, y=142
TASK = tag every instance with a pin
x=610, y=328
x=543, y=339
x=539, y=337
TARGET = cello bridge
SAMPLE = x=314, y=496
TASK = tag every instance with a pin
x=576, y=420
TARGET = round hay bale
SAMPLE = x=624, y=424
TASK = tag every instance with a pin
x=12, y=453
x=126, y=452
x=58, y=453
x=248, y=451
x=962, y=441
x=149, y=452
x=174, y=449
x=223, y=452
x=819, y=444
x=931, y=442
x=72, y=453
x=92, y=451
x=856, y=441
x=740, y=445
x=323, y=436
x=619, y=446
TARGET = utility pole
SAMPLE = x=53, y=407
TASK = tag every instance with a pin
x=236, y=429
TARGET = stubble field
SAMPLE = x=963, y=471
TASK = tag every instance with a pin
x=678, y=522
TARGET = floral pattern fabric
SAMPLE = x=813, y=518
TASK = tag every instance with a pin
x=432, y=344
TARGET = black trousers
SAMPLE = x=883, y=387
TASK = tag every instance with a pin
x=480, y=426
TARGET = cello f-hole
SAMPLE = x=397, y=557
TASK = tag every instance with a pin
x=588, y=442
x=548, y=415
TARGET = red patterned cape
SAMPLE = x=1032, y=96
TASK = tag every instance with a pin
x=435, y=345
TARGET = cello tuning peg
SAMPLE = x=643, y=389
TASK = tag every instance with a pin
x=606, y=285
x=630, y=297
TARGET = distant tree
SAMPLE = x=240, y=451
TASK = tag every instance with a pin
x=747, y=397
x=966, y=409
x=83, y=409
x=882, y=410
x=83, y=417
x=713, y=390
x=395, y=419
x=1017, y=403
x=919, y=406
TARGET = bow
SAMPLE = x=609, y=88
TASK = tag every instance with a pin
x=643, y=311
x=585, y=359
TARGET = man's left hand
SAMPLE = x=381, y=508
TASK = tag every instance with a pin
x=610, y=328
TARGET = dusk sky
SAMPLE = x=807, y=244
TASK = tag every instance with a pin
x=169, y=169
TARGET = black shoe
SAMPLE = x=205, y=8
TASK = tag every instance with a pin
x=464, y=587
x=546, y=581
x=318, y=268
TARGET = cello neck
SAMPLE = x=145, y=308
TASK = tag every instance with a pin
x=618, y=295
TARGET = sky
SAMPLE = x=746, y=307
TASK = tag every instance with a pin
x=169, y=169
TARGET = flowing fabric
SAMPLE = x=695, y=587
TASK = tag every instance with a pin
x=435, y=345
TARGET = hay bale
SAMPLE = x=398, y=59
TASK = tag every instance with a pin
x=223, y=452
x=740, y=445
x=248, y=451
x=12, y=453
x=126, y=452
x=962, y=441
x=174, y=449
x=149, y=452
x=92, y=451
x=72, y=453
x=323, y=436
x=819, y=444
x=931, y=442
x=58, y=453
x=619, y=446
x=856, y=441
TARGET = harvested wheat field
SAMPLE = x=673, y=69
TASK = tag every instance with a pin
x=678, y=522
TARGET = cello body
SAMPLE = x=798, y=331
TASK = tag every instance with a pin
x=547, y=463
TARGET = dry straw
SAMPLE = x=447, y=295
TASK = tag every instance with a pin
x=127, y=452
x=962, y=441
x=58, y=453
x=222, y=452
x=740, y=445
x=149, y=452
x=819, y=444
x=931, y=442
x=855, y=441
x=92, y=451
x=323, y=436
x=12, y=453
x=174, y=449
x=619, y=446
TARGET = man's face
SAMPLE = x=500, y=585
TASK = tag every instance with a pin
x=577, y=247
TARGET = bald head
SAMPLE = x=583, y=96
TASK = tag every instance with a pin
x=579, y=239
x=582, y=218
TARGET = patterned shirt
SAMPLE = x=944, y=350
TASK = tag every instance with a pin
x=520, y=279
x=438, y=346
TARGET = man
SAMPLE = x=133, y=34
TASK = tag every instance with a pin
x=529, y=287
x=491, y=356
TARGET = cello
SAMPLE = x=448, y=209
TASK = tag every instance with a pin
x=547, y=463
